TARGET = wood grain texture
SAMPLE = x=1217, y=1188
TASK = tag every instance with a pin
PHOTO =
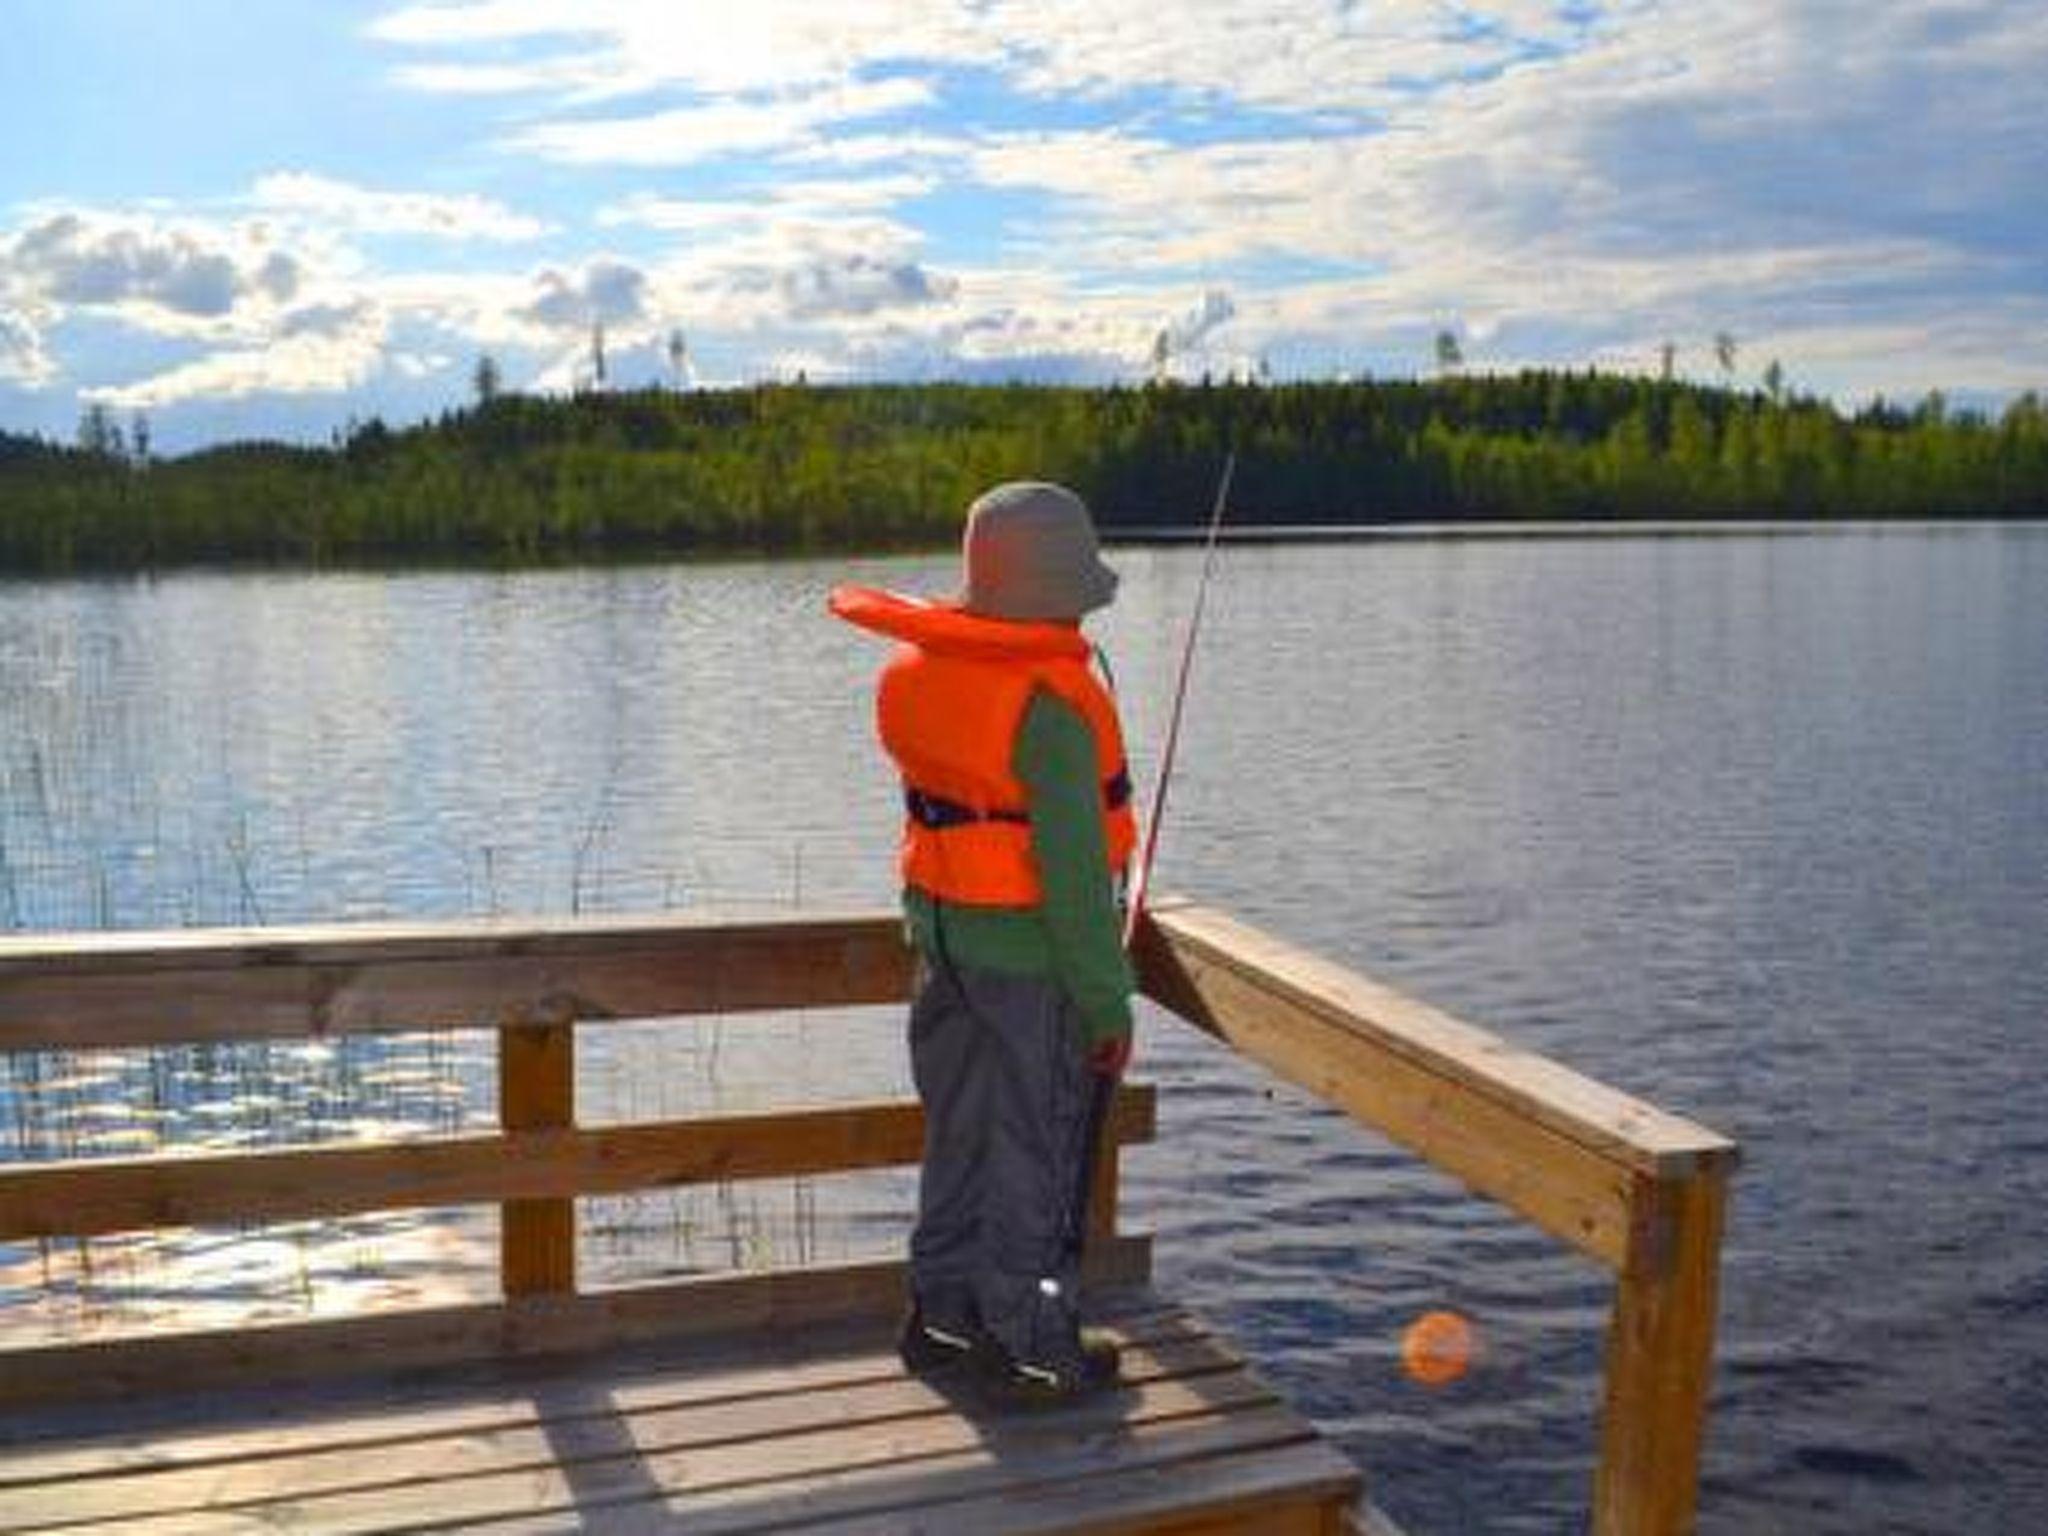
x=1660, y=1353
x=576, y=1418
x=73, y=991
x=818, y=1436
x=537, y=1092
x=1182, y=942
x=1560, y=1185
x=107, y=1195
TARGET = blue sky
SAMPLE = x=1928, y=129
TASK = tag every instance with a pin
x=264, y=219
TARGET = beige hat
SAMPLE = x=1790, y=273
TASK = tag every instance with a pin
x=1031, y=553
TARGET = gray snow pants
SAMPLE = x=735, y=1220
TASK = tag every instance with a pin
x=1000, y=1064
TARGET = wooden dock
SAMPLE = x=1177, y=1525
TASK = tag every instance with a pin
x=760, y=1401
x=747, y=1434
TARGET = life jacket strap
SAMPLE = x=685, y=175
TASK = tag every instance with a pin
x=936, y=813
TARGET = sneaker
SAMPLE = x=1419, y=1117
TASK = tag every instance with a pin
x=929, y=1349
x=1049, y=1380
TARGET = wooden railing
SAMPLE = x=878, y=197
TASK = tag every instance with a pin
x=1640, y=1191
x=539, y=985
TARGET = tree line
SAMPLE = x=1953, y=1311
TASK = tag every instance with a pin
x=525, y=479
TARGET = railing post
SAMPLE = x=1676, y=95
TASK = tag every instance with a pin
x=1660, y=1351
x=1105, y=1178
x=537, y=1091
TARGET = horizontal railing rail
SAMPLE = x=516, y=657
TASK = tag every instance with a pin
x=204, y=986
x=101, y=1196
x=1639, y=1190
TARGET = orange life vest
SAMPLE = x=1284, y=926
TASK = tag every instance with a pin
x=951, y=701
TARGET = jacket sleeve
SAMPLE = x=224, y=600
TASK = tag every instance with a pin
x=1054, y=758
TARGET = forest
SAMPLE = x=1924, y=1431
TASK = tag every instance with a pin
x=517, y=479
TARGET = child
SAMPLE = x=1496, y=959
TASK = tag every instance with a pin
x=1018, y=826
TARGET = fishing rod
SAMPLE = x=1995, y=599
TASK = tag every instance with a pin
x=1141, y=876
x=1103, y=1092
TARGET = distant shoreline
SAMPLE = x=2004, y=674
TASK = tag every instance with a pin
x=521, y=481
x=1561, y=528
x=1250, y=537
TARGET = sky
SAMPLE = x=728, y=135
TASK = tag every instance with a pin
x=246, y=219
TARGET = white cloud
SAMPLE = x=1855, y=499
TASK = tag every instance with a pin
x=682, y=135
x=1019, y=324
x=780, y=201
x=860, y=285
x=168, y=276
x=897, y=147
x=1279, y=55
x=319, y=351
x=24, y=359
x=346, y=206
x=1302, y=56
x=1191, y=328
x=604, y=290
x=597, y=48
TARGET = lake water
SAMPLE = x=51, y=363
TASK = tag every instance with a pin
x=1752, y=825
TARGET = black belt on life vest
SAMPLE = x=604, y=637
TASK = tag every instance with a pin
x=936, y=812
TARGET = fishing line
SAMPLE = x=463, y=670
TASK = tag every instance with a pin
x=1141, y=876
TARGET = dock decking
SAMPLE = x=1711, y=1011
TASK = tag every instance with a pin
x=823, y=1432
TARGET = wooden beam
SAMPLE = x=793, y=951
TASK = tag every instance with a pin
x=537, y=1092
x=1660, y=1352
x=1251, y=1003
x=1180, y=936
x=73, y=991
x=106, y=1195
x=99, y=952
x=775, y=1302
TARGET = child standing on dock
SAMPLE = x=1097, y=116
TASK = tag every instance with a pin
x=1018, y=826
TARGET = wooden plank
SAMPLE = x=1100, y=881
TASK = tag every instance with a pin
x=173, y=1433
x=1286, y=1488
x=726, y=1470
x=1494, y=1146
x=886, y=1476
x=576, y=1418
x=106, y=1195
x=269, y=1353
x=95, y=951
x=899, y=1497
x=1272, y=1519
x=537, y=1092
x=74, y=991
x=1660, y=1352
x=1181, y=938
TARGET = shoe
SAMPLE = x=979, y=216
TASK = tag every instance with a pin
x=928, y=1349
x=1089, y=1366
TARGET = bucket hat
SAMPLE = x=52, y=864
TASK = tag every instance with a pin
x=1030, y=552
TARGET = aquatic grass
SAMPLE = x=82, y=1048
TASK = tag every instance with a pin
x=10, y=894
x=87, y=1104
x=238, y=851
